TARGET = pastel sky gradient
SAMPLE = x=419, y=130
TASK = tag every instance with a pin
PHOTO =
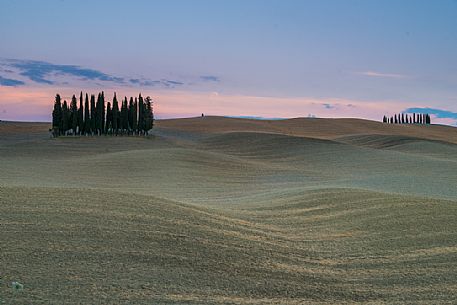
x=266, y=58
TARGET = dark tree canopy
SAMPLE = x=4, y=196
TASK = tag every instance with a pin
x=134, y=116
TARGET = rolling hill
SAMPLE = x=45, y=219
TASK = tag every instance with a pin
x=231, y=211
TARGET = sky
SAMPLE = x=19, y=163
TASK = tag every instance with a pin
x=259, y=58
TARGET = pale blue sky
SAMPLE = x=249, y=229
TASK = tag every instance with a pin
x=396, y=51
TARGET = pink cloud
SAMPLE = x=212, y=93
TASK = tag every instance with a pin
x=35, y=103
x=379, y=74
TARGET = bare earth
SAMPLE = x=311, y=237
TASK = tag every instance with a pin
x=231, y=211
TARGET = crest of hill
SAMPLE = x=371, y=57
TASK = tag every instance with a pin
x=320, y=128
x=16, y=128
x=324, y=128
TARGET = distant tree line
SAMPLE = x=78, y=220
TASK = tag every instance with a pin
x=131, y=117
x=404, y=118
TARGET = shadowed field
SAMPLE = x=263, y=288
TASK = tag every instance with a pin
x=231, y=211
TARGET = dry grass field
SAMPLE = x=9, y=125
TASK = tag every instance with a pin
x=231, y=211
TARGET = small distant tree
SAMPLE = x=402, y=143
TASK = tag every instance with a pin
x=384, y=119
x=57, y=116
x=428, y=120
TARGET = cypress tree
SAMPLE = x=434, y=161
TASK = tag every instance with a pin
x=74, y=114
x=102, y=101
x=131, y=112
x=57, y=116
x=65, y=118
x=115, y=111
x=109, y=119
x=92, y=113
x=81, y=114
x=396, y=120
x=86, y=116
x=70, y=118
x=124, y=118
x=148, y=115
x=98, y=113
x=140, y=114
x=135, y=116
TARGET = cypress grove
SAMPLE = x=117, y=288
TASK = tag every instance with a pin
x=405, y=118
x=134, y=116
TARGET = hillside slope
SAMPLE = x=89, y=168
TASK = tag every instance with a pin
x=230, y=211
x=310, y=127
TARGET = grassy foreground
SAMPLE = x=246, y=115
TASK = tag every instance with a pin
x=201, y=215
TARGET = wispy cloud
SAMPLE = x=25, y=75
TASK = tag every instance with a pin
x=383, y=75
x=40, y=71
x=45, y=73
x=153, y=83
x=336, y=106
x=210, y=78
x=10, y=82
